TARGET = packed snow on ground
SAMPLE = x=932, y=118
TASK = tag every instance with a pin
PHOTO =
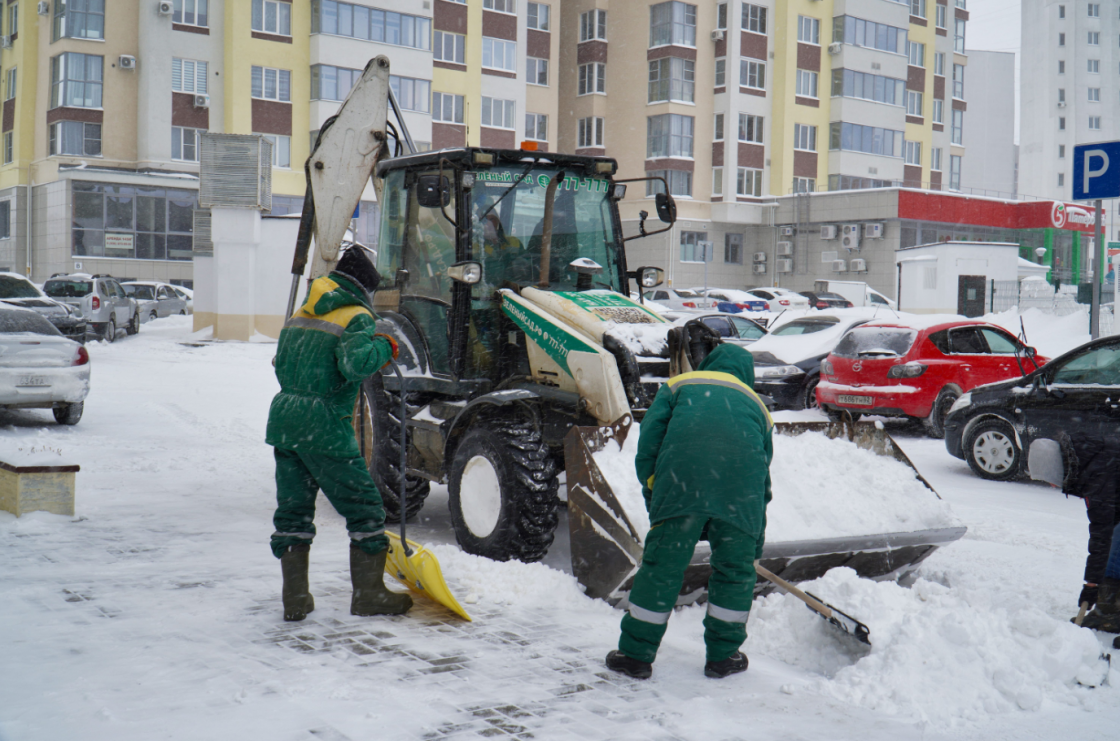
x=155, y=612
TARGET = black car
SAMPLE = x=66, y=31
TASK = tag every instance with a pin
x=826, y=300
x=993, y=426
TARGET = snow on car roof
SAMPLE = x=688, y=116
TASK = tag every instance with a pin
x=796, y=348
x=925, y=321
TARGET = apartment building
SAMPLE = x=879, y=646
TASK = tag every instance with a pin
x=989, y=138
x=104, y=102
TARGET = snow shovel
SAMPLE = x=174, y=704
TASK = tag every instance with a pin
x=843, y=621
x=411, y=563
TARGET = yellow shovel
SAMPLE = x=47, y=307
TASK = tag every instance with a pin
x=411, y=563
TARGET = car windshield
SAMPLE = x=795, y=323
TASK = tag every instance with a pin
x=26, y=321
x=805, y=326
x=12, y=286
x=685, y=293
x=866, y=342
x=63, y=288
x=142, y=293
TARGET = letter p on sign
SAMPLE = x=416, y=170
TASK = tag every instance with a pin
x=1092, y=175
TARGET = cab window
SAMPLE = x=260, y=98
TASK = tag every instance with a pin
x=1099, y=367
x=877, y=299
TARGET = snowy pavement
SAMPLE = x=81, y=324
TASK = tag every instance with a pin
x=155, y=612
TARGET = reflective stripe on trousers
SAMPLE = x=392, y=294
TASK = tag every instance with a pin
x=649, y=616
x=727, y=616
x=363, y=536
x=305, y=536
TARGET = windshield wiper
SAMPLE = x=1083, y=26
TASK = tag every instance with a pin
x=508, y=190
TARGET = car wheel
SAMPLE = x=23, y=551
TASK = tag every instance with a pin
x=133, y=324
x=935, y=422
x=69, y=414
x=110, y=332
x=809, y=394
x=153, y=316
x=991, y=450
x=182, y=312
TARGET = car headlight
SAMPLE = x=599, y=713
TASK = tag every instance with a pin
x=776, y=371
x=961, y=403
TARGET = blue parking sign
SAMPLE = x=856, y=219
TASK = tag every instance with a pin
x=1096, y=171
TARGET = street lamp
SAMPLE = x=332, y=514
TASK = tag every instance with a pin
x=1041, y=252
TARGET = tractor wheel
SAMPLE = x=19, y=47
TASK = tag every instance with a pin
x=502, y=492
x=378, y=430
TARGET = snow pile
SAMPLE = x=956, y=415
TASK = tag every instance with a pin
x=938, y=655
x=1050, y=335
x=641, y=339
x=822, y=489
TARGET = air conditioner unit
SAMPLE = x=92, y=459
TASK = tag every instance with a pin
x=786, y=231
x=849, y=236
x=6, y=42
x=785, y=265
x=43, y=8
x=873, y=231
x=785, y=248
x=835, y=47
x=828, y=231
x=1061, y=103
x=202, y=101
x=166, y=7
x=127, y=61
x=859, y=265
x=760, y=257
x=760, y=268
x=718, y=34
x=839, y=266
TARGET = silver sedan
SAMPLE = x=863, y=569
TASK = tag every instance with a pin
x=156, y=300
x=39, y=368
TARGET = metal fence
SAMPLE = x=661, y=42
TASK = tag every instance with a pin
x=1004, y=295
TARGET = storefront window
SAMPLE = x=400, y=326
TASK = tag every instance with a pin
x=132, y=222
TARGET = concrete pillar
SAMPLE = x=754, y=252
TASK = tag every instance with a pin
x=236, y=233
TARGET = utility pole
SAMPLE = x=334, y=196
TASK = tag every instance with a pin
x=1098, y=273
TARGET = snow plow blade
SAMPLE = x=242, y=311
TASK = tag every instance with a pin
x=607, y=550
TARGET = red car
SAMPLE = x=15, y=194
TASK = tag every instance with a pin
x=892, y=369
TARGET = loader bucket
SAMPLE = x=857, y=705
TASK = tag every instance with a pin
x=607, y=550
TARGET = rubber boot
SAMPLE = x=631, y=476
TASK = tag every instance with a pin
x=1106, y=615
x=297, y=596
x=371, y=597
x=734, y=664
x=623, y=664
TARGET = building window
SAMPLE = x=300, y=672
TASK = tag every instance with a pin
x=935, y=159
x=1094, y=95
x=851, y=84
x=335, y=83
x=1061, y=95
x=537, y=16
x=858, y=32
x=721, y=72
x=75, y=137
x=957, y=136
x=942, y=11
x=680, y=182
x=913, y=103
x=754, y=18
x=752, y=74
x=184, y=143
x=669, y=135
x=188, y=76
x=76, y=82
x=938, y=111
x=1061, y=68
x=1061, y=151
x=1061, y=39
x=80, y=19
x=717, y=181
x=499, y=54
x=805, y=137
x=807, y=83
x=804, y=185
x=958, y=81
x=1062, y=123
x=718, y=134
x=9, y=149
x=536, y=71
x=748, y=182
x=1061, y=179
x=272, y=84
x=672, y=23
x=447, y=108
x=671, y=78
x=370, y=24
x=1061, y=11
x=498, y=113
x=721, y=16
x=693, y=247
x=958, y=37
x=281, y=150
x=536, y=126
x=733, y=249
x=502, y=6
x=955, y=171
x=808, y=29
x=412, y=94
x=592, y=78
x=150, y=223
x=869, y=139
x=1094, y=10
x=1095, y=123
x=918, y=8
x=10, y=87
x=913, y=153
x=1094, y=38
x=750, y=128
x=593, y=25
x=189, y=12
x=939, y=59
x=916, y=53
x=449, y=47
x=272, y=17
x=590, y=132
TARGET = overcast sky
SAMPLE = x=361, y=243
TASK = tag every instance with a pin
x=995, y=25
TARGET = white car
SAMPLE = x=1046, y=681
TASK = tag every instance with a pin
x=156, y=300
x=781, y=299
x=681, y=299
x=39, y=368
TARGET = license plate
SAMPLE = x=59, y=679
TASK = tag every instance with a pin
x=860, y=400
x=25, y=381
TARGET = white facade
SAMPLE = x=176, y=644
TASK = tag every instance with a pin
x=928, y=274
x=989, y=136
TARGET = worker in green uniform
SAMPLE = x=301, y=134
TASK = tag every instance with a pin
x=704, y=462
x=327, y=348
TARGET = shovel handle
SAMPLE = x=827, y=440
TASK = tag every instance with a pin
x=1081, y=614
x=815, y=605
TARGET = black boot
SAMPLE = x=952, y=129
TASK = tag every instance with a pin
x=736, y=663
x=297, y=597
x=1106, y=615
x=371, y=597
x=623, y=664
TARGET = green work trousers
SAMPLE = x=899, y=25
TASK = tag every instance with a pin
x=348, y=487
x=668, y=551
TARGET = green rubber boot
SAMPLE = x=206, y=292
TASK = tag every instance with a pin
x=371, y=597
x=1106, y=615
x=297, y=596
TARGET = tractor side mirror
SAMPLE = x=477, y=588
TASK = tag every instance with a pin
x=468, y=272
x=648, y=277
x=666, y=207
x=402, y=278
x=433, y=191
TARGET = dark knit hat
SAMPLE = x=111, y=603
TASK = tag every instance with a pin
x=355, y=265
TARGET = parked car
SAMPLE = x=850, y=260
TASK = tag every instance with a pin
x=827, y=300
x=187, y=294
x=16, y=290
x=787, y=362
x=732, y=301
x=993, y=426
x=856, y=291
x=780, y=299
x=737, y=330
x=680, y=299
x=39, y=368
x=156, y=300
x=896, y=369
x=100, y=299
